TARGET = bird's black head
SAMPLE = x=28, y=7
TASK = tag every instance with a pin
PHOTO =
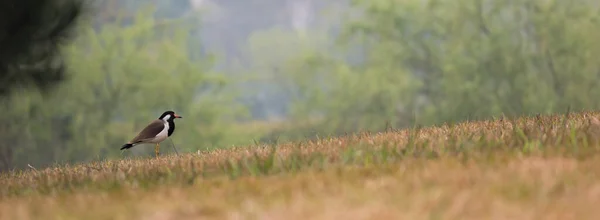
x=169, y=116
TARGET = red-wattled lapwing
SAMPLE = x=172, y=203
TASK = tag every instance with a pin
x=156, y=132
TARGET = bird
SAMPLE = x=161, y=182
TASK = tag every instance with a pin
x=157, y=131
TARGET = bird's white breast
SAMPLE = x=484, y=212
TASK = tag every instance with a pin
x=162, y=135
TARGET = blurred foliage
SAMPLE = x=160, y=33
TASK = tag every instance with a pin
x=31, y=33
x=436, y=61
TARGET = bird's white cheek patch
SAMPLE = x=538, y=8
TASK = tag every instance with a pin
x=167, y=117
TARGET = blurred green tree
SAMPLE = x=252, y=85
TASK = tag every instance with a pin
x=437, y=61
x=31, y=34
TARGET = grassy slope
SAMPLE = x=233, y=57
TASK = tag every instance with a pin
x=529, y=168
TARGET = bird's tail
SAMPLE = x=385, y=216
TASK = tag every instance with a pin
x=126, y=146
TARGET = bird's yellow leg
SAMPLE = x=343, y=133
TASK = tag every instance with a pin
x=156, y=149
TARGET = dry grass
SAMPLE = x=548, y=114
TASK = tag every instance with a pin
x=545, y=167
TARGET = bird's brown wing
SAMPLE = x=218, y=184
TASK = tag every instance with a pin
x=149, y=131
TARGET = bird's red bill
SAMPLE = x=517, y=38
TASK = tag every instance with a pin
x=177, y=116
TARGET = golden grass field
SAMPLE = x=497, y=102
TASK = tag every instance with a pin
x=540, y=167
